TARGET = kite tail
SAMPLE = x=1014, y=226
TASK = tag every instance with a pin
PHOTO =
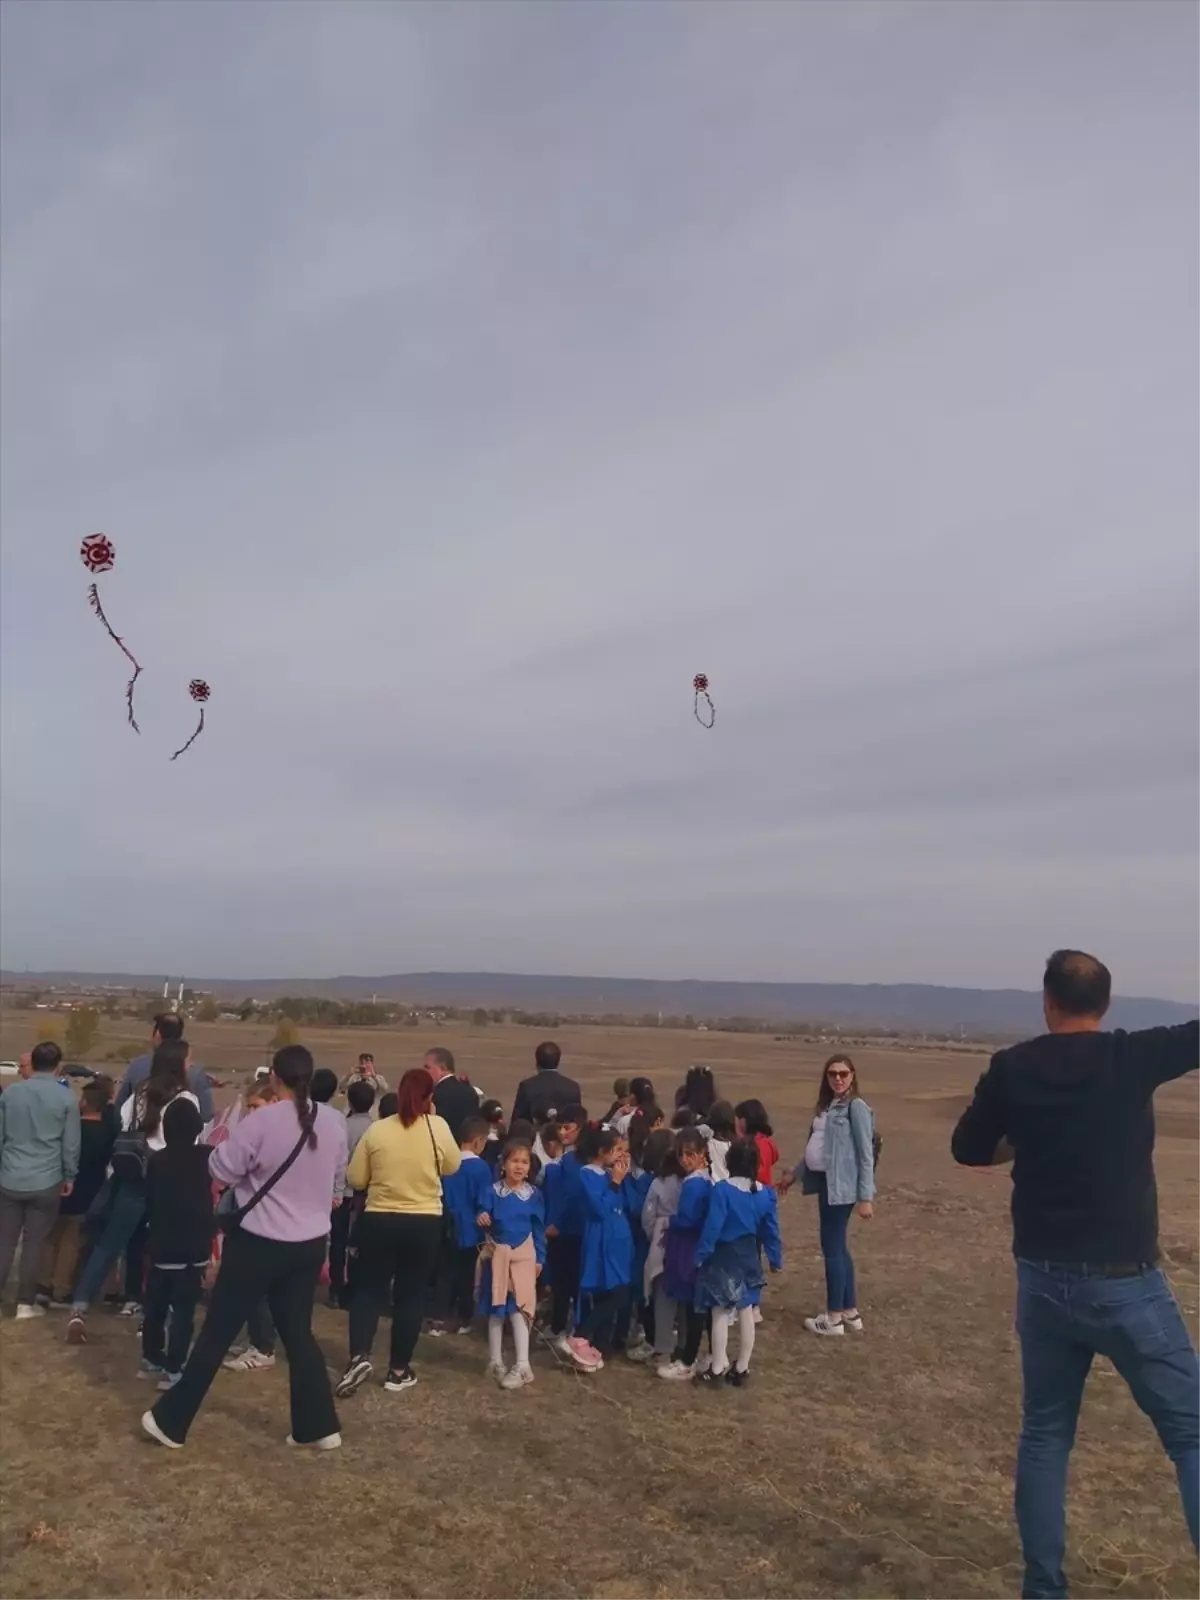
x=704, y=721
x=196, y=734
x=94, y=602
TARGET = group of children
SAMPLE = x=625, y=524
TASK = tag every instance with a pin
x=620, y=1236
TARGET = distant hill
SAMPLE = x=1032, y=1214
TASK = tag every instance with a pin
x=910, y=1006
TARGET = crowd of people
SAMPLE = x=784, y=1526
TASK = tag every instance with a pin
x=634, y=1233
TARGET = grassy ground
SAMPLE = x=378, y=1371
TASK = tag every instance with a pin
x=878, y=1466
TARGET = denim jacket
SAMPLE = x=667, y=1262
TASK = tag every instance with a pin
x=849, y=1155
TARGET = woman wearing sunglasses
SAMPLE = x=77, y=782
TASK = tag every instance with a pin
x=838, y=1166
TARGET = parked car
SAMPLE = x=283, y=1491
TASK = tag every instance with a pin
x=10, y=1069
x=76, y=1069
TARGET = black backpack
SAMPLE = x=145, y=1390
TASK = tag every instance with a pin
x=130, y=1151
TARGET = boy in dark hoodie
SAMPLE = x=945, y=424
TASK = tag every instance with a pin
x=179, y=1236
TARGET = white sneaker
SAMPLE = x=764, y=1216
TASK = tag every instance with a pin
x=250, y=1360
x=825, y=1325
x=130, y=1309
x=517, y=1378
x=331, y=1441
x=640, y=1352
x=495, y=1371
x=676, y=1372
x=855, y=1324
x=26, y=1313
x=152, y=1428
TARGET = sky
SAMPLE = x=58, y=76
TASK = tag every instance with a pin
x=455, y=382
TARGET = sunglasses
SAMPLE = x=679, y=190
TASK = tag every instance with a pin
x=837, y=1072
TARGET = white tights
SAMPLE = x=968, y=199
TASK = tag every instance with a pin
x=720, y=1339
x=520, y=1333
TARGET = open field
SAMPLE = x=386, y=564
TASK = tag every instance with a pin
x=878, y=1466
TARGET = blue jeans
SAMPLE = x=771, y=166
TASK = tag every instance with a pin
x=840, y=1289
x=126, y=1211
x=1065, y=1316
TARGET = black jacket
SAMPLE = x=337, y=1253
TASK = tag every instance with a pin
x=455, y=1101
x=1078, y=1111
x=543, y=1096
x=179, y=1199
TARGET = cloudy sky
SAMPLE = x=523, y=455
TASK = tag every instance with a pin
x=456, y=381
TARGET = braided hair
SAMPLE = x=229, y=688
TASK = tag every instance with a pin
x=293, y=1066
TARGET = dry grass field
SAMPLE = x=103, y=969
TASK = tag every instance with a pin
x=873, y=1466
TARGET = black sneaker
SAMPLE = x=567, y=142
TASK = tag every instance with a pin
x=711, y=1378
x=358, y=1370
x=736, y=1379
x=396, y=1381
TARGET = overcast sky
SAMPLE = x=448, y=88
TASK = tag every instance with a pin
x=456, y=381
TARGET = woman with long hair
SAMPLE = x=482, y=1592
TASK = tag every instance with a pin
x=285, y=1166
x=697, y=1091
x=120, y=1208
x=838, y=1166
x=400, y=1161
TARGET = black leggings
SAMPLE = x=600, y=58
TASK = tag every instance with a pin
x=562, y=1257
x=396, y=1251
x=697, y=1325
x=607, y=1321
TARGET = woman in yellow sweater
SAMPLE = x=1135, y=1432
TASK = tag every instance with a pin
x=400, y=1161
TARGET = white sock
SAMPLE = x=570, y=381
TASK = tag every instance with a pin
x=520, y=1332
x=745, y=1338
x=496, y=1341
x=719, y=1340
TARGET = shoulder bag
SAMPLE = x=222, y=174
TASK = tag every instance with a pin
x=230, y=1215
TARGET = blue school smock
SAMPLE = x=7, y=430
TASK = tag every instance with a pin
x=564, y=1195
x=465, y=1194
x=740, y=1218
x=606, y=1261
x=515, y=1214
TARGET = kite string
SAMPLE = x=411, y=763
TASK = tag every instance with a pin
x=712, y=710
x=198, y=731
x=94, y=601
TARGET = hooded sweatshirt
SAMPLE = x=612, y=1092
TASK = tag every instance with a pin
x=179, y=1192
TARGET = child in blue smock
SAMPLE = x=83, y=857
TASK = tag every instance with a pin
x=679, y=1251
x=606, y=1261
x=637, y=1187
x=513, y=1258
x=466, y=1194
x=742, y=1220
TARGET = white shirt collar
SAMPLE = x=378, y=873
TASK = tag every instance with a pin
x=744, y=1184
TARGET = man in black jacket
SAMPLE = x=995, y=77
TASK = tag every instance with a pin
x=454, y=1099
x=1074, y=1111
x=548, y=1091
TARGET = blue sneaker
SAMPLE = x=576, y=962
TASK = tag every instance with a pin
x=147, y=1369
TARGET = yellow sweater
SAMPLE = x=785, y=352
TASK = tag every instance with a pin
x=397, y=1168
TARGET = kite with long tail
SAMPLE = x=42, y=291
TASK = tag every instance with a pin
x=98, y=555
x=199, y=692
x=700, y=691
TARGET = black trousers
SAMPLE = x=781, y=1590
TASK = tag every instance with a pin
x=339, y=1241
x=456, y=1282
x=287, y=1273
x=401, y=1251
x=607, y=1321
x=697, y=1324
x=562, y=1257
x=175, y=1290
x=135, y=1264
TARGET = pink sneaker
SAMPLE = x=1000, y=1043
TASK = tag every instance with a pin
x=584, y=1356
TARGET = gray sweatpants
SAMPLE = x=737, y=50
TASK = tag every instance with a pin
x=26, y=1218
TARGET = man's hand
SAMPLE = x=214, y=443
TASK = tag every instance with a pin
x=551, y=1231
x=866, y=1210
x=65, y=1189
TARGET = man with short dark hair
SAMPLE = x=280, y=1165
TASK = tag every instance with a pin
x=540, y=1097
x=454, y=1099
x=39, y=1157
x=1075, y=1108
x=167, y=1028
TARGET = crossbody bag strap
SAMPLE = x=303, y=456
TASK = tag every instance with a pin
x=437, y=1154
x=261, y=1194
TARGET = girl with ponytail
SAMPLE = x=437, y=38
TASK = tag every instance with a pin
x=286, y=1166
